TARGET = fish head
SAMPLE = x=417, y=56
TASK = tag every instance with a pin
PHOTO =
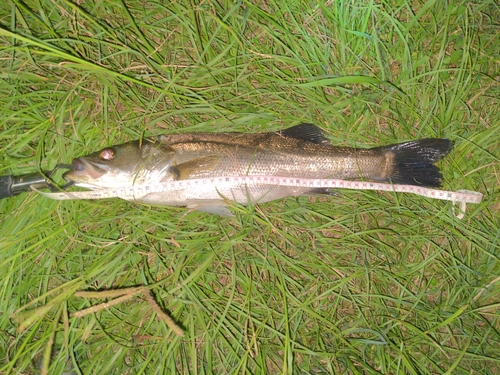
x=131, y=163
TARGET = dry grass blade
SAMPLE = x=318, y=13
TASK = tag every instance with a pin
x=122, y=296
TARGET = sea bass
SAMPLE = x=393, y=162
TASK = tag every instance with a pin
x=300, y=151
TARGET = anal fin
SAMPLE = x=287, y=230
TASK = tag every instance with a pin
x=322, y=191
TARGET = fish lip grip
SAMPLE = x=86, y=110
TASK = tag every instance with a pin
x=13, y=185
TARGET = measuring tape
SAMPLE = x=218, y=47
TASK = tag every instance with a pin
x=461, y=196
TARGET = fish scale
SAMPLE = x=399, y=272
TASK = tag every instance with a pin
x=276, y=155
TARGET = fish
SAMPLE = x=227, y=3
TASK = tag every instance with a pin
x=301, y=151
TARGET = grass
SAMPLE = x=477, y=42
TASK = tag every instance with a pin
x=362, y=283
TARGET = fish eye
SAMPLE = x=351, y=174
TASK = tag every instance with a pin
x=107, y=154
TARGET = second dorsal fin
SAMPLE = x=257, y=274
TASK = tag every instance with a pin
x=306, y=132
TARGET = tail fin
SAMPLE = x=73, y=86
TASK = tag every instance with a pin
x=413, y=161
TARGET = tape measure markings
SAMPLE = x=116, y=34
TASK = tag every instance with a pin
x=138, y=191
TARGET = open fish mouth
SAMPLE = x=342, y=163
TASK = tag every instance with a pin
x=83, y=168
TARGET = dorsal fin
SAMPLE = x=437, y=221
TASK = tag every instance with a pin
x=306, y=132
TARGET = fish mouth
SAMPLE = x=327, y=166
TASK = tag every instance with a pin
x=84, y=169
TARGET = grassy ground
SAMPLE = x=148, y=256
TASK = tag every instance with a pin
x=362, y=283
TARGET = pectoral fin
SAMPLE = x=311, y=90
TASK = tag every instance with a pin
x=195, y=168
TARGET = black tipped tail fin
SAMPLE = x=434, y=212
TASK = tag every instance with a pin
x=413, y=161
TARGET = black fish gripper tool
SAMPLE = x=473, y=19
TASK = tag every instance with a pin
x=13, y=185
